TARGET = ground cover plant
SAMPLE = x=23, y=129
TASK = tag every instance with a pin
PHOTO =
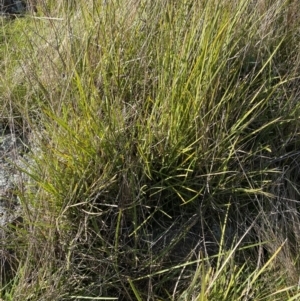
x=161, y=150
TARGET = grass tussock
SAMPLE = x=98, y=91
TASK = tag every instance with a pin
x=163, y=146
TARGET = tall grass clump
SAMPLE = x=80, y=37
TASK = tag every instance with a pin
x=162, y=150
